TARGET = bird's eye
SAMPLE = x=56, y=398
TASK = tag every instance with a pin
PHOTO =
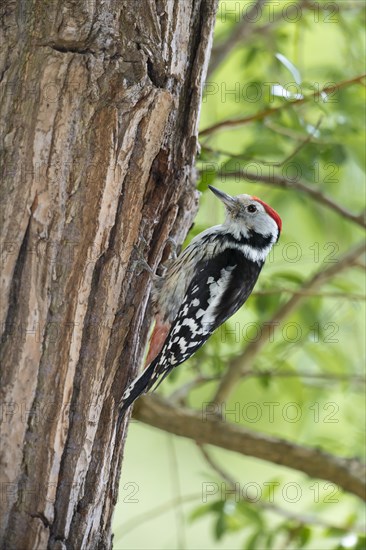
x=252, y=208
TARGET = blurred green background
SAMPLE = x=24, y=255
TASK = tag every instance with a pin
x=170, y=496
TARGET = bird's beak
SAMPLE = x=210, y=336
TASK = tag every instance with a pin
x=230, y=202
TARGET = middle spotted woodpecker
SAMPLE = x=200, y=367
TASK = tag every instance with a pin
x=205, y=285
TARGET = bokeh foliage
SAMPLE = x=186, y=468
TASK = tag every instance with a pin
x=315, y=359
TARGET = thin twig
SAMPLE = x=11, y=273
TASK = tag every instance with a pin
x=356, y=379
x=276, y=164
x=245, y=360
x=272, y=110
x=179, y=396
x=222, y=473
x=314, y=192
x=155, y=512
x=303, y=519
x=335, y=295
x=293, y=134
x=181, y=534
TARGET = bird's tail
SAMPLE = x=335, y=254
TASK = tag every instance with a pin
x=138, y=386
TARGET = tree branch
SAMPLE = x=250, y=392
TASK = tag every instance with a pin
x=205, y=428
x=272, y=110
x=314, y=192
x=243, y=361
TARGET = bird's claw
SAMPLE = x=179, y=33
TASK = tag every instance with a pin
x=173, y=247
x=141, y=262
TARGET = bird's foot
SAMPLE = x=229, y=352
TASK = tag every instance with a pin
x=140, y=264
x=173, y=247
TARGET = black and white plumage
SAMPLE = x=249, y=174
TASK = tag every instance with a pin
x=206, y=285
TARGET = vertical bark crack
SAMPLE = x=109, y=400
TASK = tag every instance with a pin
x=15, y=287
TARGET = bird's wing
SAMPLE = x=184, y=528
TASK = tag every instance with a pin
x=217, y=290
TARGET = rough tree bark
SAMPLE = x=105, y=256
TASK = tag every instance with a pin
x=99, y=109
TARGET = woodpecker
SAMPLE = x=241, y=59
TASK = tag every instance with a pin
x=208, y=282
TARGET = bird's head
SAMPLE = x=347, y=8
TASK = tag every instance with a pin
x=246, y=214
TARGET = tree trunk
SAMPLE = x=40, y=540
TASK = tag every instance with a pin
x=100, y=107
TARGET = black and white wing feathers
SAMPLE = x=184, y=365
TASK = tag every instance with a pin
x=216, y=292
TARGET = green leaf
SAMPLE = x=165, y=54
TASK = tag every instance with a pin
x=200, y=512
x=361, y=543
x=334, y=532
x=215, y=507
x=220, y=527
x=253, y=541
x=304, y=535
x=266, y=302
x=270, y=539
x=265, y=381
x=251, y=513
